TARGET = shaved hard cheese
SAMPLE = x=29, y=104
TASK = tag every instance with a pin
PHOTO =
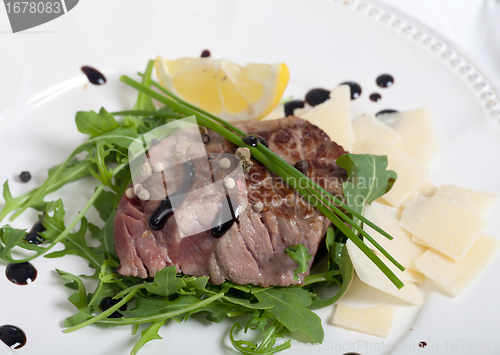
x=401, y=247
x=427, y=190
x=370, y=129
x=371, y=275
x=412, y=175
x=442, y=225
x=376, y=320
x=334, y=117
x=417, y=131
x=478, y=202
x=456, y=276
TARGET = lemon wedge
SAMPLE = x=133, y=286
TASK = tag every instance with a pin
x=223, y=88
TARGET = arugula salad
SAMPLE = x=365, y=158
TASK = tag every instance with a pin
x=148, y=304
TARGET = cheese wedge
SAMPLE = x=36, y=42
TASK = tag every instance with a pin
x=456, y=276
x=376, y=320
x=370, y=129
x=334, y=117
x=401, y=247
x=371, y=275
x=477, y=202
x=417, y=131
x=442, y=225
x=412, y=175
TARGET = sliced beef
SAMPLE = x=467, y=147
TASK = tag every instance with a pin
x=252, y=251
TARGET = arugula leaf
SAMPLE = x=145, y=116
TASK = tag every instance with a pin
x=165, y=282
x=105, y=236
x=266, y=347
x=10, y=237
x=148, y=335
x=149, y=306
x=339, y=258
x=368, y=178
x=290, y=309
x=95, y=124
x=76, y=244
x=300, y=254
x=78, y=299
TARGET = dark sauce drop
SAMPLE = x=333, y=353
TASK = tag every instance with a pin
x=222, y=227
x=13, y=336
x=386, y=111
x=422, y=344
x=375, y=97
x=251, y=140
x=205, y=53
x=33, y=236
x=317, y=96
x=109, y=302
x=302, y=166
x=355, y=89
x=25, y=176
x=160, y=215
x=94, y=75
x=290, y=106
x=21, y=273
x=351, y=354
x=385, y=80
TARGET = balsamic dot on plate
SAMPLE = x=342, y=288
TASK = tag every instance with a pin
x=21, y=273
x=25, y=176
x=317, y=96
x=355, y=89
x=205, y=53
x=375, y=97
x=108, y=302
x=385, y=80
x=94, y=75
x=290, y=106
x=386, y=111
x=422, y=344
x=13, y=336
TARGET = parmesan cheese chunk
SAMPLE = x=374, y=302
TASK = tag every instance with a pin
x=334, y=117
x=369, y=129
x=478, y=202
x=427, y=190
x=456, y=276
x=371, y=275
x=376, y=320
x=401, y=247
x=417, y=131
x=412, y=175
x=442, y=225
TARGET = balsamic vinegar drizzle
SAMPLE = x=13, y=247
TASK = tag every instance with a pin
x=355, y=89
x=33, y=236
x=222, y=227
x=375, y=97
x=290, y=106
x=253, y=139
x=13, y=336
x=108, y=302
x=94, y=75
x=385, y=80
x=21, y=273
x=317, y=96
x=160, y=215
x=384, y=112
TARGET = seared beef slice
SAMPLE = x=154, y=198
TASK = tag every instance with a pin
x=252, y=250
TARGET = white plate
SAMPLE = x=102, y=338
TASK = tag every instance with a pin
x=323, y=43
